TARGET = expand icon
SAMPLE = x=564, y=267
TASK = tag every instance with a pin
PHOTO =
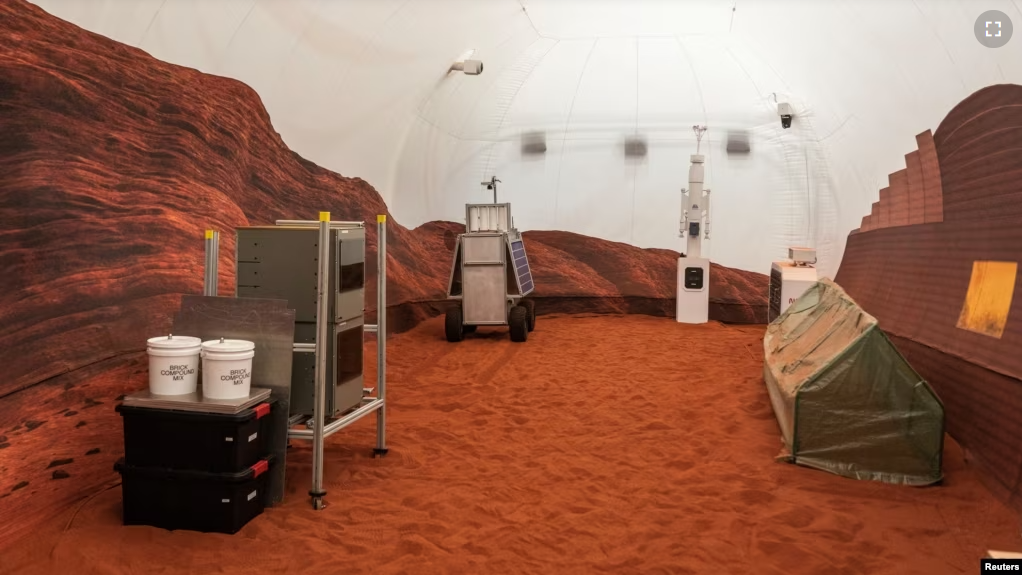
x=993, y=28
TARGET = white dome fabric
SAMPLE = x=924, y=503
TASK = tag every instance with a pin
x=361, y=87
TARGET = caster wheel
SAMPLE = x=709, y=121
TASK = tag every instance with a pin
x=531, y=306
x=518, y=323
x=452, y=325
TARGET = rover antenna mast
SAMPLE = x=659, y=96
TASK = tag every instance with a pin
x=491, y=184
x=699, y=130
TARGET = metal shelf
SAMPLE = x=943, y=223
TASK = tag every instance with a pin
x=317, y=427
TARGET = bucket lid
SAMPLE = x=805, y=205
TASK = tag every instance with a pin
x=172, y=341
x=228, y=345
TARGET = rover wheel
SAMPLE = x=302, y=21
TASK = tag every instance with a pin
x=531, y=306
x=518, y=323
x=452, y=324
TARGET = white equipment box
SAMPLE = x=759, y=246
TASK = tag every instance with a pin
x=802, y=255
x=788, y=281
x=693, y=290
x=487, y=218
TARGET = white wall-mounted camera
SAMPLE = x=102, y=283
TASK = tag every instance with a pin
x=470, y=67
x=786, y=112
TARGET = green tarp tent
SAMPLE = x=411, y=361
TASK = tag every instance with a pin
x=846, y=399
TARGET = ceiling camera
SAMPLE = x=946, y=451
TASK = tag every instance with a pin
x=785, y=111
x=469, y=67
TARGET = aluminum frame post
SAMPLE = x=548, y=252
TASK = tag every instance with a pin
x=211, y=271
x=214, y=286
x=205, y=263
x=322, y=353
x=315, y=224
x=381, y=335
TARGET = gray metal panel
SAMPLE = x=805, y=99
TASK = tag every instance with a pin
x=349, y=305
x=279, y=263
x=350, y=323
x=347, y=393
x=349, y=256
x=485, y=297
x=270, y=325
x=471, y=211
x=247, y=274
x=351, y=245
x=305, y=332
x=341, y=396
x=282, y=263
x=303, y=381
x=483, y=248
x=454, y=281
x=196, y=402
x=353, y=233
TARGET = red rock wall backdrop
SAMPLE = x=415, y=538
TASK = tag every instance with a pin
x=964, y=205
x=112, y=164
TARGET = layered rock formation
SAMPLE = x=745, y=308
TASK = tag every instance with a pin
x=938, y=269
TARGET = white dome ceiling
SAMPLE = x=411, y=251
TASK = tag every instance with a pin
x=361, y=87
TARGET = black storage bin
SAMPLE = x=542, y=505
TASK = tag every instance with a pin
x=193, y=500
x=189, y=440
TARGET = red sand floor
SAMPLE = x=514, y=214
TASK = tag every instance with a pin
x=617, y=444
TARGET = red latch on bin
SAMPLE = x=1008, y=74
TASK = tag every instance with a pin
x=262, y=410
x=260, y=468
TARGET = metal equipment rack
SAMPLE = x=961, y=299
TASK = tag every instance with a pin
x=319, y=426
x=490, y=276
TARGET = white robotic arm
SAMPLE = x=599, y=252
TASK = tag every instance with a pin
x=683, y=223
x=706, y=213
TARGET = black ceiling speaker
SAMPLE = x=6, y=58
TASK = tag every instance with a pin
x=738, y=142
x=635, y=147
x=533, y=143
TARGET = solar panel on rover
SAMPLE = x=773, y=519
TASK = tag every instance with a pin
x=521, y=266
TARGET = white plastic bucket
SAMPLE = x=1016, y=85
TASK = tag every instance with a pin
x=173, y=364
x=227, y=368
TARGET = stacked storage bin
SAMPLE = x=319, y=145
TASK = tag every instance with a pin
x=194, y=470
